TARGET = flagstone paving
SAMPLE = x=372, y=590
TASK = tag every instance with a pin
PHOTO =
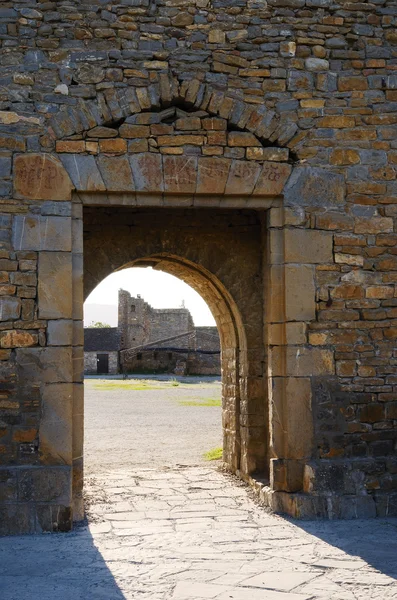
x=194, y=533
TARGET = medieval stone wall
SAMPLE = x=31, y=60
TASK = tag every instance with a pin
x=287, y=106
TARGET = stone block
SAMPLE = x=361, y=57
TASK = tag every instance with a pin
x=147, y=171
x=44, y=365
x=17, y=339
x=116, y=173
x=10, y=308
x=292, y=418
x=42, y=233
x=308, y=246
x=212, y=175
x=280, y=334
x=55, y=433
x=180, y=174
x=60, y=332
x=41, y=177
x=300, y=293
x=134, y=131
x=272, y=179
x=55, y=285
x=113, y=146
x=314, y=186
x=83, y=172
x=242, y=178
x=301, y=361
x=242, y=139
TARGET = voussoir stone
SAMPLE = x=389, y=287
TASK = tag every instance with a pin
x=180, y=174
x=272, y=179
x=116, y=173
x=147, y=171
x=83, y=172
x=41, y=176
x=242, y=178
x=212, y=175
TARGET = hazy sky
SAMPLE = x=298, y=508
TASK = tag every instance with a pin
x=159, y=289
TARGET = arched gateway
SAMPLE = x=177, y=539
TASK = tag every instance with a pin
x=199, y=184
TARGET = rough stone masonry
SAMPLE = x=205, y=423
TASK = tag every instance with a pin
x=248, y=147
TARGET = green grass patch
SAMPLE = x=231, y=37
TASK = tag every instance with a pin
x=214, y=454
x=201, y=402
x=134, y=384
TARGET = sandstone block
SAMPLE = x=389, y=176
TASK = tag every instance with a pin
x=83, y=172
x=212, y=175
x=313, y=186
x=242, y=178
x=379, y=291
x=10, y=308
x=188, y=123
x=116, y=173
x=308, y=246
x=341, y=156
x=147, y=171
x=373, y=225
x=300, y=295
x=291, y=404
x=41, y=177
x=17, y=339
x=55, y=285
x=102, y=132
x=42, y=233
x=242, y=139
x=272, y=180
x=301, y=361
x=44, y=365
x=134, y=131
x=181, y=140
x=60, y=332
x=113, y=146
x=70, y=146
x=180, y=174
x=280, y=334
x=55, y=432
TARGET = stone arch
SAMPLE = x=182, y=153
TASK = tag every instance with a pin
x=231, y=290
x=114, y=105
x=232, y=336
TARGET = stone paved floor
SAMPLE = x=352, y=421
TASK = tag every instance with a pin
x=192, y=534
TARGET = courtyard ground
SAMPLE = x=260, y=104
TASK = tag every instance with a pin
x=165, y=524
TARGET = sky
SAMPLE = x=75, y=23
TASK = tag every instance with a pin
x=159, y=289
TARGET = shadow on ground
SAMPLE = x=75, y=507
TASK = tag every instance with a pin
x=373, y=540
x=55, y=567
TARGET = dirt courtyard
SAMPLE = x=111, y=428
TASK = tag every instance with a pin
x=150, y=422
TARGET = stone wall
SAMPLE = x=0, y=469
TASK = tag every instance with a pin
x=165, y=361
x=285, y=107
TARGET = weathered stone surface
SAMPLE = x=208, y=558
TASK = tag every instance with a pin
x=116, y=173
x=60, y=332
x=180, y=174
x=10, y=308
x=308, y=246
x=312, y=186
x=212, y=175
x=55, y=279
x=41, y=177
x=83, y=172
x=44, y=365
x=55, y=432
x=242, y=178
x=300, y=293
x=42, y=233
x=147, y=171
x=272, y=179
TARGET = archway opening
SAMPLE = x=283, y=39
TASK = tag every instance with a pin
x=152, y=375
x=219, y=253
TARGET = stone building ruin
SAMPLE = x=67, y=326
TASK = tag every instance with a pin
x=247, y=147
x=151, y=340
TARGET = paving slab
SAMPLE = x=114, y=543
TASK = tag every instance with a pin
x=142, y=544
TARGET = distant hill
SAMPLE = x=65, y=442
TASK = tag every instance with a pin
x=106, y=313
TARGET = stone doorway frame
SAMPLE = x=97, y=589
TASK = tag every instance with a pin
x=149, y=179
